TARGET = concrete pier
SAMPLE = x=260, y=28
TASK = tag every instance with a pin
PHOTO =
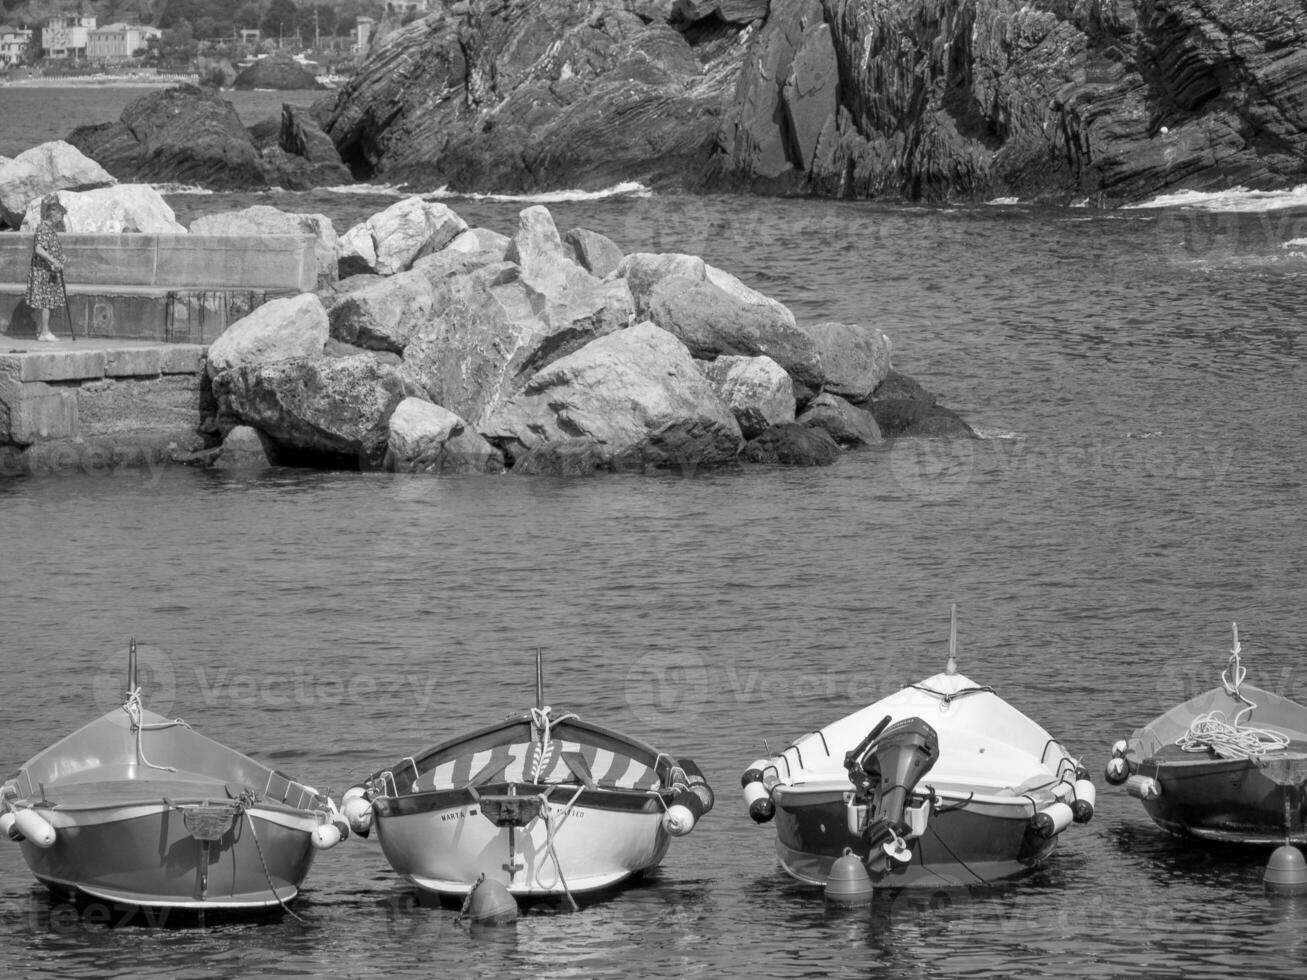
x=130, y=390
x=84, y=405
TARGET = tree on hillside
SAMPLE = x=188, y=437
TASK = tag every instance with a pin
x=281, y=19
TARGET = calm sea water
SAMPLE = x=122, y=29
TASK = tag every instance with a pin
x=1138, y=375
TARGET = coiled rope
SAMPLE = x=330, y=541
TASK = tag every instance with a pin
x=1211, y=731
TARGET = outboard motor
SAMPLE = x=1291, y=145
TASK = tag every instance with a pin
x=885, y=768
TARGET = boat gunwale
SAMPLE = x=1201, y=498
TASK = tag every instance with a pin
x=485, y=737
x=612, y=798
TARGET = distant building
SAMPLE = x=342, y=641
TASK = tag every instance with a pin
x=406, y=6
x=118, y=42
x=363, y=35
x=66, y=36
x=13, y=45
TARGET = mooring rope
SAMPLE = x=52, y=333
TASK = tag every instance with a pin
x=267, y=874
x=549, y=843
x=133, y=708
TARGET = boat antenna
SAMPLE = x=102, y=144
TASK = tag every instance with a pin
x=131, y=666
x=540, y=682
x=951, y=667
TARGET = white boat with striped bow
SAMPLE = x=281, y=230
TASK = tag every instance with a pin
x=144, y=812
x=940, y=784
x=543, y=803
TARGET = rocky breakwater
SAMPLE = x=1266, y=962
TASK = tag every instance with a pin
x=1107, y=101
x=449, y=348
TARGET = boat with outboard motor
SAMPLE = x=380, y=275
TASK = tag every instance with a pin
x=1227, y=765
x=142, y=811
x=542, y=803
x=942, y=783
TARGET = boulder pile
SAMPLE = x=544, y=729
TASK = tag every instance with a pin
x=445, y=348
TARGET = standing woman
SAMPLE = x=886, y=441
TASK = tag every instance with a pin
x=44, y=279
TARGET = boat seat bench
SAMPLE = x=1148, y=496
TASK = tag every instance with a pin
x=515, y=763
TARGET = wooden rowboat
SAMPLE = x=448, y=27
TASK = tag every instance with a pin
x=143, y=811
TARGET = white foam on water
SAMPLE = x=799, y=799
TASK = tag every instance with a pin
x=179, y=189
x=1234, y=199
x=628, y=188
x=372, y=190
x=985, y=432
x=1004, y=200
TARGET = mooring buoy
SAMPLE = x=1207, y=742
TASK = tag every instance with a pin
x=848, y=885
x=491, y=904
x=1286, y=871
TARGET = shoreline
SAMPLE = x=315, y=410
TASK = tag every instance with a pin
x=100, y=81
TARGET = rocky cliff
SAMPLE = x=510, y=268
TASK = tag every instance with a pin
x=1058, y=100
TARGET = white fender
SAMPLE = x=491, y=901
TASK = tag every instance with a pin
x=326, y=836
x=1053, y=819
x=34, y=827
x=678, y=820
x=357, y=810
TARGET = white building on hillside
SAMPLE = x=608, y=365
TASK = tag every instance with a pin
x=66, y=37
x=406, y=6
x=13, y=45
x=117, y=42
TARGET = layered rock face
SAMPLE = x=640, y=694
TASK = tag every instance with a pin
x=193, y=135
x=520, y=94
x=1058, y=100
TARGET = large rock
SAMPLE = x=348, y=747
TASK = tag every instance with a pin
x=263, y=219
x=712, y=322
x=855, y=358
x=493, y=325
x=121, y=209
x=390, y=241
x=334, y=406
x=52, y=166
x=644, y=270
x=280, y=74
x=847, y=424
x=903, y=408
x=793, y=445
x=636, y=395
x=756, y=389
x=182, y=134
x=425, y=438
x=384, y=315
x=293, y=327
x=595, y=252
x=190, y=135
